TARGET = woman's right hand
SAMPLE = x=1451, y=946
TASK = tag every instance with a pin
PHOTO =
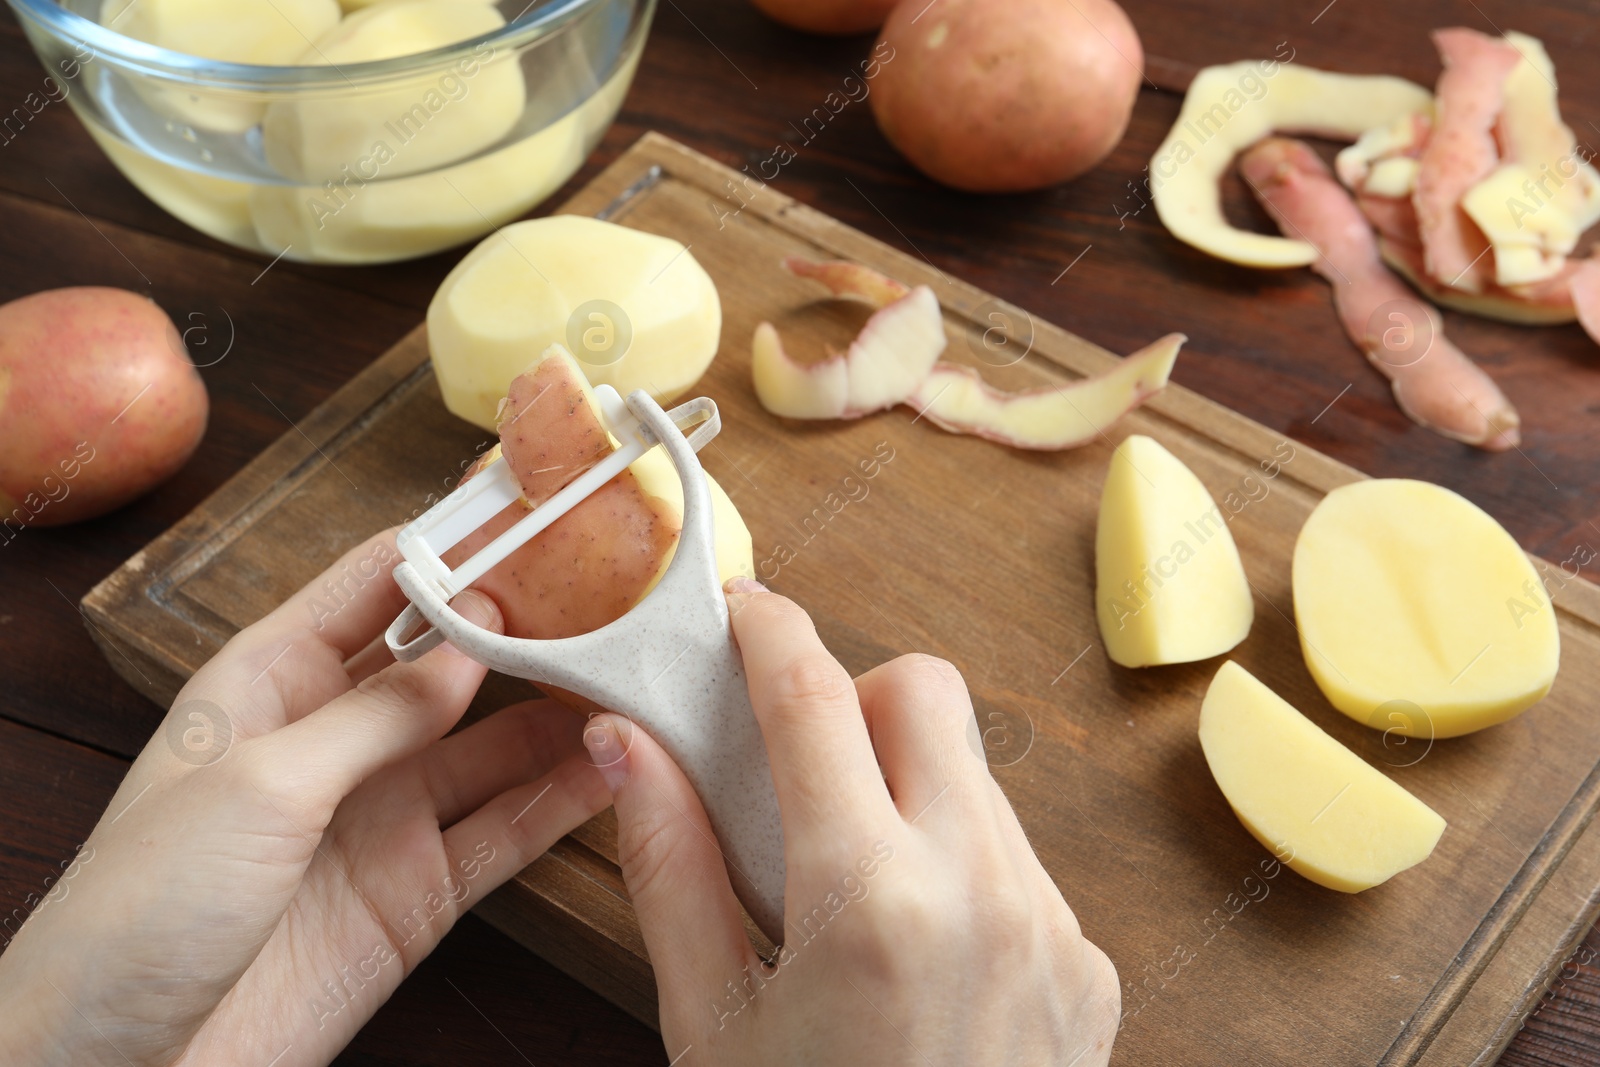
x=920, y=927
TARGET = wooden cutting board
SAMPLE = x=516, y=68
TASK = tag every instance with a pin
x=983, y=555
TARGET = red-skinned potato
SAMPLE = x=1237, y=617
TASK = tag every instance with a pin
x=997, y=96
x=840, y=17
x=596, y=561
x=98, y=403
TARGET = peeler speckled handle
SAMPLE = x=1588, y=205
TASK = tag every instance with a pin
x=670, y=664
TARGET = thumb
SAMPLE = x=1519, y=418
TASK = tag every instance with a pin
x=673, y=868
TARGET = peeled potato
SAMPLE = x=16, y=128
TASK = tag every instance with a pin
x=409, y=127
x=260, y=32
x=997, y=96
x=1318, y=806
x=1169, y=586
x=98, y=403
x=637, y=310
x=424, y=212
x=1410, y=596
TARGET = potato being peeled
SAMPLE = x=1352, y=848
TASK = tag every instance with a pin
x=98, y=403
x=999, y=96
x=599, y=559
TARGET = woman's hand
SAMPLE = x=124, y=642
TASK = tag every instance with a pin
x=292, y=843
x=920, y=927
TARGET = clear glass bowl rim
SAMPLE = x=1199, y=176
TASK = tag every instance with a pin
x=544, y=19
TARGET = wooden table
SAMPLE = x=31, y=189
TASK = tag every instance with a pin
x=720, y=78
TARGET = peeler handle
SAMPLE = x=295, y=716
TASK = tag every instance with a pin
x=670, y=665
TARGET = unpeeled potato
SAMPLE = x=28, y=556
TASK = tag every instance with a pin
x=98, y=403
x=995, y=96
x=828, y=16
x=599, y=559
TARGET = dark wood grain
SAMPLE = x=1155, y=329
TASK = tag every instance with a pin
x=1263, y=344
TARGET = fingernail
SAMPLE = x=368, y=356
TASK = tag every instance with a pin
x=739, y=589
x=477, y=609
x=608, y=751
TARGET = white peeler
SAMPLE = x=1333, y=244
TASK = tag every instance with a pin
x=670, y=664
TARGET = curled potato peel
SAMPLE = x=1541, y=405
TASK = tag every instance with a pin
x=1232, y=106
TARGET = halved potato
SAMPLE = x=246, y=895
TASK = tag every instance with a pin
x=1404, y=590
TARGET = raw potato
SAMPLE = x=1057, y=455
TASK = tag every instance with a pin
x=995, y=96
x=1169, y=586
x=598, y=560
x=1315, y=804
x=417, y=125
x=1404, y=591
x=415, y=216
x=1049, y=417
x=840, y=17
x=261, y=32
x=423, y=213
x=1219, y=119
x=521, y=291
x=98, y=404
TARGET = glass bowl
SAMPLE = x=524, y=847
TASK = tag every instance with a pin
x=364, y=162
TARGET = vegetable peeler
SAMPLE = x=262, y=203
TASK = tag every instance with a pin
x=670, y=664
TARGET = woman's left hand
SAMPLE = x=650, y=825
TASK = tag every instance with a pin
x=292, y=842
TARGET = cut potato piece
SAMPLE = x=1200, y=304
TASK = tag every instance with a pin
x=637, y=309
x=1169, y=587
x=1404, y=590
x=892, y=353
x=1050, y=417
x=1318, y=806
x=1218, y=119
